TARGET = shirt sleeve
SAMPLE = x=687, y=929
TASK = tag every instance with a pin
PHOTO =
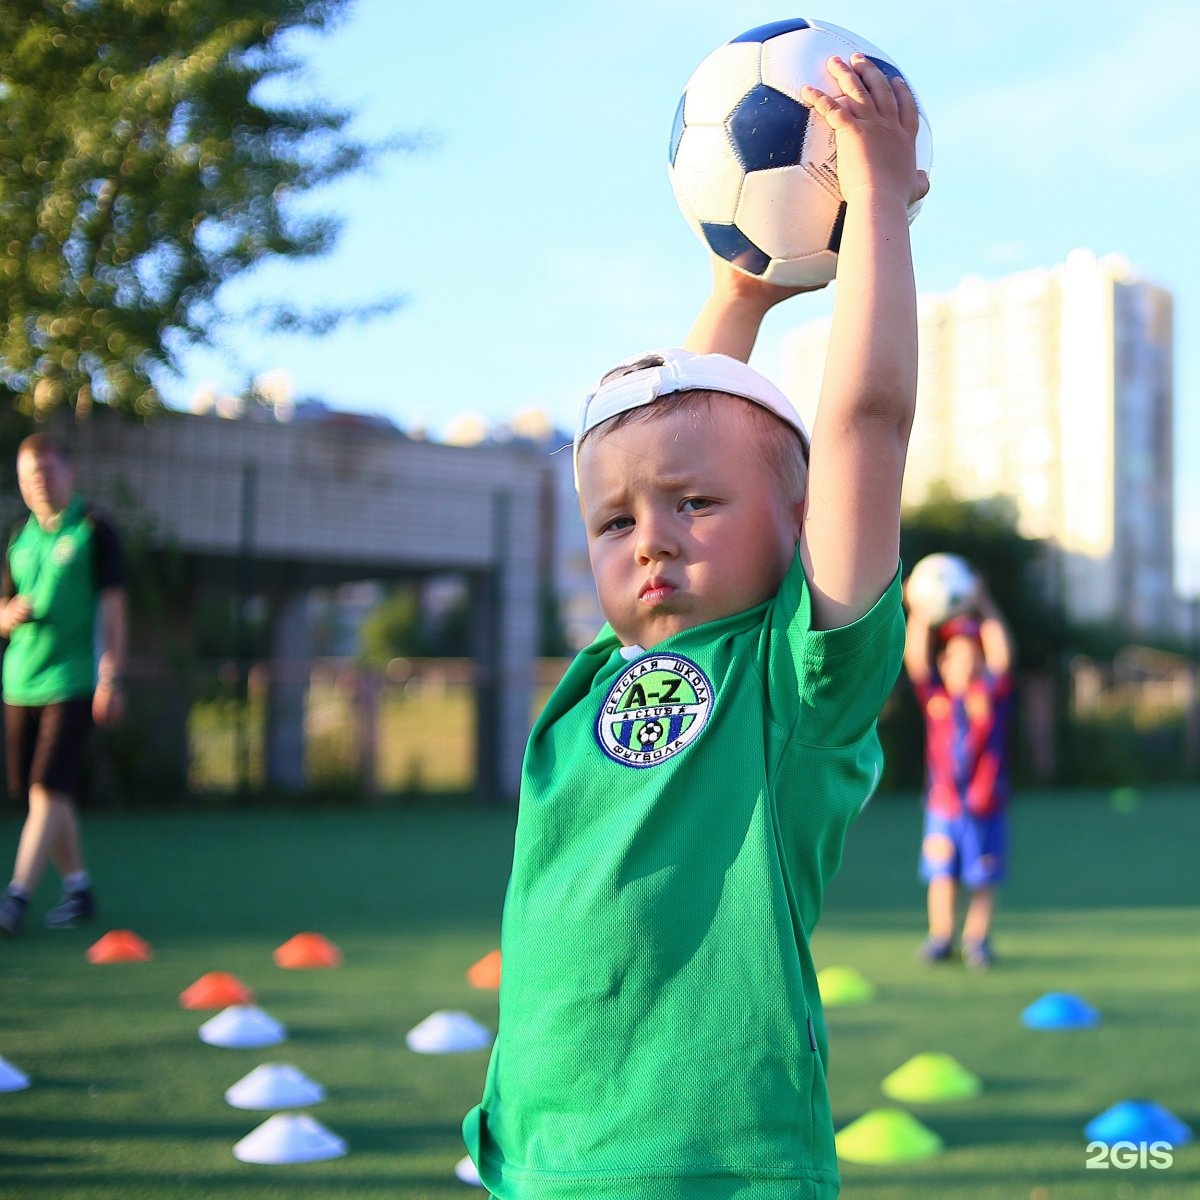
x=108, y=562
x=826, y=687
x=8, y=589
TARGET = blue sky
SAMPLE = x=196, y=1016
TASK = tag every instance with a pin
x=537, y=240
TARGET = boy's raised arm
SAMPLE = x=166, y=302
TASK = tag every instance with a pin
x=994, y=634
x=918, y=648
x=729, y=321
x=851, y=531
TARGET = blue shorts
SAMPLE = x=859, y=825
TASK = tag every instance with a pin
x=969, y=849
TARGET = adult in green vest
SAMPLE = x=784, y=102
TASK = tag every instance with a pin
x=62, y=599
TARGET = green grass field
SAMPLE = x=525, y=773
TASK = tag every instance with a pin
x=127, y=1103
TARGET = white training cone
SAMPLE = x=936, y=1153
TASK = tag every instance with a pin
x=11, y=1080
x=274, y=1085
x=289, y=1138
x=447, y=1032
x=242, y=1026
x=465, y=1170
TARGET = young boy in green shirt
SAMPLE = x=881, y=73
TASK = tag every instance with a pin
x=688, y=787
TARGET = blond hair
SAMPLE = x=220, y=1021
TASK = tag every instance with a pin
x=783, y=449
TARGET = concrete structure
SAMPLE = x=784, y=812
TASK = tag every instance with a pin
x=277, y=509
x=1052, y=387
x=568, y=567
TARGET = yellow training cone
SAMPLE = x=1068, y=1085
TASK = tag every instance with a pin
x=887, y=1135
x=929, y=1077
x=843, y=985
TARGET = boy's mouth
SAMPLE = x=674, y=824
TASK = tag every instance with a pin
x=655, y=591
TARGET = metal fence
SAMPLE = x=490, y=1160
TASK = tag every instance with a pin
x=411, y=731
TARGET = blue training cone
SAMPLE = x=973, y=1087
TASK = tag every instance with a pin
x=1137, y=1121
x=1060, y=1010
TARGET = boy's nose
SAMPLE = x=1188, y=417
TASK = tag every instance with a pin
x=655, y=541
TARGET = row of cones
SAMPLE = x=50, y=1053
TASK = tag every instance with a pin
x=286, y=1138
x=842, y=986
x=889, y=1135
x=305, y=951
x=283, y=1137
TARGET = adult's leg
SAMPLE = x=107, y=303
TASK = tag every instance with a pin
x=22, y=726
x=66, y=850
x=50, y=832
x=54, y=779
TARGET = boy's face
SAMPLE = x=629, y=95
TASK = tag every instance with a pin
x=686, y=523
x=960, y=662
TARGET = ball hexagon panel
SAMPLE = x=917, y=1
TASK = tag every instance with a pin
x=787, y=213
x=719, y=82
x=791, y=61
x=767, y=129
x=707, y=178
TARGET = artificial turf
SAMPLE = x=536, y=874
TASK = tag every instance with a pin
x=127, y=1102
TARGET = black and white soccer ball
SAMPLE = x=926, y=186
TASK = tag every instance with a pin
x=753, y=169
x=942, y=586
x=650, y=733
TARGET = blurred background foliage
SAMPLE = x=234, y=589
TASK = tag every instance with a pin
x=150, y=151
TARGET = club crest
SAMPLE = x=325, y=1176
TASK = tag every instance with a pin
x=63, y=551
x=657, y=707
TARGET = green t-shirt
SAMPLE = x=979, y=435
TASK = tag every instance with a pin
x=52, y=657
x=661, y=1034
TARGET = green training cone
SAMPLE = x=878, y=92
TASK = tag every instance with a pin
x=887, y=1135
x=843, y=985
x=930, y=1077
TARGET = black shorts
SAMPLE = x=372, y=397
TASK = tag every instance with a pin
x=45, y=745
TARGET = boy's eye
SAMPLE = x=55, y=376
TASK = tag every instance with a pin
x=617, y=523
x=695, y=504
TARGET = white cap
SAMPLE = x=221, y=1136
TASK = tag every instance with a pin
x=642, y=380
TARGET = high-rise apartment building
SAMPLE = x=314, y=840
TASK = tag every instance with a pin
x=1052, y=387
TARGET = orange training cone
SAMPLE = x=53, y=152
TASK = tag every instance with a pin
x=119, y=945
x=307, y=951
x=217, y=989
x=486, y=972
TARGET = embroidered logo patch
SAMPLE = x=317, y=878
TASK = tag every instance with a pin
x=63, y=551
x=657, y=707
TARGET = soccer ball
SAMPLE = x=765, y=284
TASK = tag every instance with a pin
x=941, y=586
x=650, y=733
x=755, y=171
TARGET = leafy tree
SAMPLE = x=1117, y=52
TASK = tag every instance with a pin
x=150, y=150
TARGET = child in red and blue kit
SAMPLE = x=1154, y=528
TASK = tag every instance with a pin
x=961, y=671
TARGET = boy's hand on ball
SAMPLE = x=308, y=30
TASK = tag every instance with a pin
x=875, y=123
x=736, y=285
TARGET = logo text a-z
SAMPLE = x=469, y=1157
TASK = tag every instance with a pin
x=657, y=707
